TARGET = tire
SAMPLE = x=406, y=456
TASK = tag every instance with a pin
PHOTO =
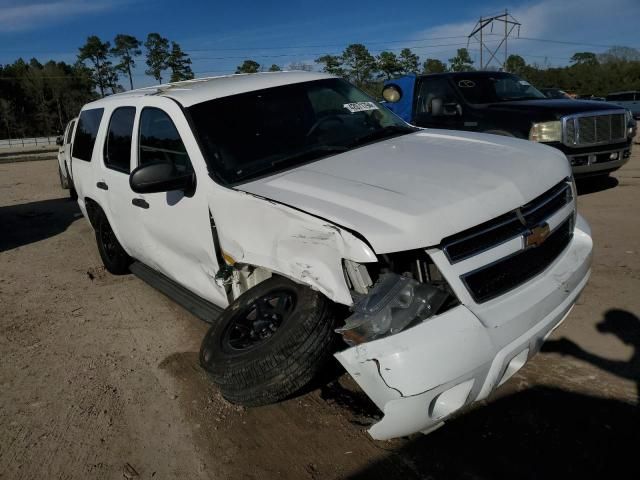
x=114, y=258
x=276, y=367
x=64, y=182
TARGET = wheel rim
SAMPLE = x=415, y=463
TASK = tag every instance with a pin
x=109, y=240
x=259, y=321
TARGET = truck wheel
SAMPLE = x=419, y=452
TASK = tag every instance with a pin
x=114, y=258
x=64, y=182
x=269, y=343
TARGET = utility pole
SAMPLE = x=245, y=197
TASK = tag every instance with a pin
x=510, y=24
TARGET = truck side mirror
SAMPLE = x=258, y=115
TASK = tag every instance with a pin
x=59, y=141
x=161, y=177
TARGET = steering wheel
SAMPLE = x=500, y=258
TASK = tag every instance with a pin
x=322, y=120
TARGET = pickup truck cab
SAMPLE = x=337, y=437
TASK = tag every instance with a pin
x=64, y=143
x=629, y=100
x=291, y=210
x=596, y=137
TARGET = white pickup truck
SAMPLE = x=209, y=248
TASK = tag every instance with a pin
x=303, y=210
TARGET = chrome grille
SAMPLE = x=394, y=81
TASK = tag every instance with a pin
x=594, y=129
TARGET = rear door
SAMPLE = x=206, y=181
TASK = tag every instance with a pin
x=178, y=239
x=112, y=180
x=66, y=154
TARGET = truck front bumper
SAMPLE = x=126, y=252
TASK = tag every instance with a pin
x=598, y=163
x=424, y=374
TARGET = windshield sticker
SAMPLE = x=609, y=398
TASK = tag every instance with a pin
x=525, y=83
x=360, y=106
x=466, y=83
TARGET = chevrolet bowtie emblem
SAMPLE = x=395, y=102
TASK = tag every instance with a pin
x=537, y=235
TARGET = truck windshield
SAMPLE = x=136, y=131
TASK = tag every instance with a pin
x=498, y=87
x=262, y=132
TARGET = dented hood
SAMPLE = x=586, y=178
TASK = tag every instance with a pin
x=412, y=191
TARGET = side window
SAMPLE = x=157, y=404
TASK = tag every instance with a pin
x=160, y=141
x=86, y=133
x=117, y=147
x=69, y=132
x=431, y=88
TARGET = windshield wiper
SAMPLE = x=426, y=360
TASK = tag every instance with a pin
x=313, y=153
x=381, y=133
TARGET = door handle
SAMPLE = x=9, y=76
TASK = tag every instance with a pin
x=140, y=202
x=102, y=186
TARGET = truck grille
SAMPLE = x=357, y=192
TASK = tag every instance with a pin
x=508, y=273
x=585, y=130
x=510, y=225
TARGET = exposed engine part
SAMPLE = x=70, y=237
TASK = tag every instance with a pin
x=357, y=277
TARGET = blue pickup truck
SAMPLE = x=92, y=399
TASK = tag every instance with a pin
x=596, y=137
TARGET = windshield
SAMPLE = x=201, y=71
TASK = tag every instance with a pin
x=498, y=87
x=265, y=131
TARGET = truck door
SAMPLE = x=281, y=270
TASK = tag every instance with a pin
x=437, y=104
x=66, y=153
x=177, y=228
x=83, y=152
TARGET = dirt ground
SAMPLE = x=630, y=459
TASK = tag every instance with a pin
x=99, y=375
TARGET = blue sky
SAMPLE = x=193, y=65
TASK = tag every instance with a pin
x=219, y=35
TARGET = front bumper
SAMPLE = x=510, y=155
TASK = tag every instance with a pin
x=424, y=374
x=598, y=163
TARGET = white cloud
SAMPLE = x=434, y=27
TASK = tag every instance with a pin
x=592, y=24
x=27, y=16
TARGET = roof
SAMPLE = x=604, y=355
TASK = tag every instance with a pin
x=190, y=92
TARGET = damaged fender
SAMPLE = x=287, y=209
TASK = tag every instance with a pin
x=267, y=234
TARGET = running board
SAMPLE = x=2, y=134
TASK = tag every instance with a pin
x=198, y=306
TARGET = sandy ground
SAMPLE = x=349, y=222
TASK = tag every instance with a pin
x=99, y=375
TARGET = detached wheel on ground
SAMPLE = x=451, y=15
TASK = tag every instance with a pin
x=114, y=258
x=269, y=343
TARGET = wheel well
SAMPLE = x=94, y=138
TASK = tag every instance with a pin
x=92, y=210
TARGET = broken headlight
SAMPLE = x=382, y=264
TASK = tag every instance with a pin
x=394, y=303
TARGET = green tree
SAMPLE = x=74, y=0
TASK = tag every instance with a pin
x=157, y=50
x=388, y=64
x=331, y=64
x=359, y=64
x=433, y=65
x=179, y=63
x=408, y=61
x=515, y=64
x=461, y=62
x=274, y=68
x=248, y=66
x=125, y=48
x=96, y=52
x=584, y=58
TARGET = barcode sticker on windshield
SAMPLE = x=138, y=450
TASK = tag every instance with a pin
x=360, y=106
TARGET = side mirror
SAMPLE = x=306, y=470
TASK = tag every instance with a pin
x=161, y=177
x=59, y=141
x=391, y=93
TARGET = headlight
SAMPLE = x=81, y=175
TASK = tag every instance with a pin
x=546, y=132
x=394, y=303
x=392, y=93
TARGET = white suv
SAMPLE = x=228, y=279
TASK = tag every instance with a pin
x=305, y=210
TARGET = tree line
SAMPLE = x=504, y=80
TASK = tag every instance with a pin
x=39, y=99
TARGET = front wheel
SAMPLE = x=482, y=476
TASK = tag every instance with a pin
x=269, y=343
x=114, y=258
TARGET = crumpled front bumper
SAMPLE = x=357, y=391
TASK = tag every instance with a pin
x=422, y=375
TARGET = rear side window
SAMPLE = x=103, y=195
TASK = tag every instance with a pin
x=160, y=140
x=434, y=87
x=117, y=147
x=86, y=133
x=69, y=132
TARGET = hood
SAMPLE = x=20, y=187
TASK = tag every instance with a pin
x=554, y=108
x=412, y=191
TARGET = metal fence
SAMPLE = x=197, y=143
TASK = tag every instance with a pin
x=27, y=142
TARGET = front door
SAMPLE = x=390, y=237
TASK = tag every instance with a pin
x=179, y=241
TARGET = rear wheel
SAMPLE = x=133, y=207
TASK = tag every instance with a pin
x=269, y=343
x=114, y=258
x=64, y=182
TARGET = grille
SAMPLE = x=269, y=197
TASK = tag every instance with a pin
x=510, y=272
x=585, y=130
x=505, y=227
